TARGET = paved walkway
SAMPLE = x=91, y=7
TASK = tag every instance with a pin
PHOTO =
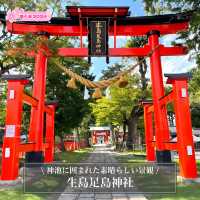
x=104, y=155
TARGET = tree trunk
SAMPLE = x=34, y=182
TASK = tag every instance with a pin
x=143, y=71
x=62, y=143
x=124, y=130
x=137, y=111
x=132, y=131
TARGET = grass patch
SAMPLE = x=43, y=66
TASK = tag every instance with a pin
x=18, y=195
x=198, y=165
x=184, y=192
x=130, y=156
x=73, y=156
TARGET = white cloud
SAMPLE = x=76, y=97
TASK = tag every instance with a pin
x=121, y=41
x=174, y=65
x=168, y=39
x=178, y=64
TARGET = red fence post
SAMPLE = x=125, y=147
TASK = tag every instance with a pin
x=49, y=140
x=185, y=143
x=11, y=141
x=39, y=90
x=148, y=124
x=160, y=114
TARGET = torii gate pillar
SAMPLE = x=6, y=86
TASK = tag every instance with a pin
x=39, y=91
x=160, y=114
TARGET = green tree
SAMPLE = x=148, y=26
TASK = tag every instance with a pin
x=194, y=88
x=107, y=112
x=112, y=71
x=2, y=104
x=194, y=91
x=119, y=107
x=140, y=42
x=71, y=104
x=136, y=112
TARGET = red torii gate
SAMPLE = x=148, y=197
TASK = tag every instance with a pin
x=184, y=144
x=120, y=24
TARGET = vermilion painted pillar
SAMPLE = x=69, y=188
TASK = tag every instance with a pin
x=148, y=124
x=11, y=141
x=186, y=151
x=160, y=114
x=39, y=89
x=49, y=139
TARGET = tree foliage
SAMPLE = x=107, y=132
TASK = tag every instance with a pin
x=115, y=108
x=71, y=104
x=120, y=107
x=112, y=71
x=140, y=42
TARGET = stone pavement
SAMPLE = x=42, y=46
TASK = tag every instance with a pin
x=101, y=154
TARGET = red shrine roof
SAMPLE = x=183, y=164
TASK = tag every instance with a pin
x=89, y=11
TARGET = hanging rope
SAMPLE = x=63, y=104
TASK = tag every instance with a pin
x=119, y=78
x=103, y=83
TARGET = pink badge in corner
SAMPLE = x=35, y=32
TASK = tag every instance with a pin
x=19, y=14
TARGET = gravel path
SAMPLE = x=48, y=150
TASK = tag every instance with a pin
x=101, y=154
